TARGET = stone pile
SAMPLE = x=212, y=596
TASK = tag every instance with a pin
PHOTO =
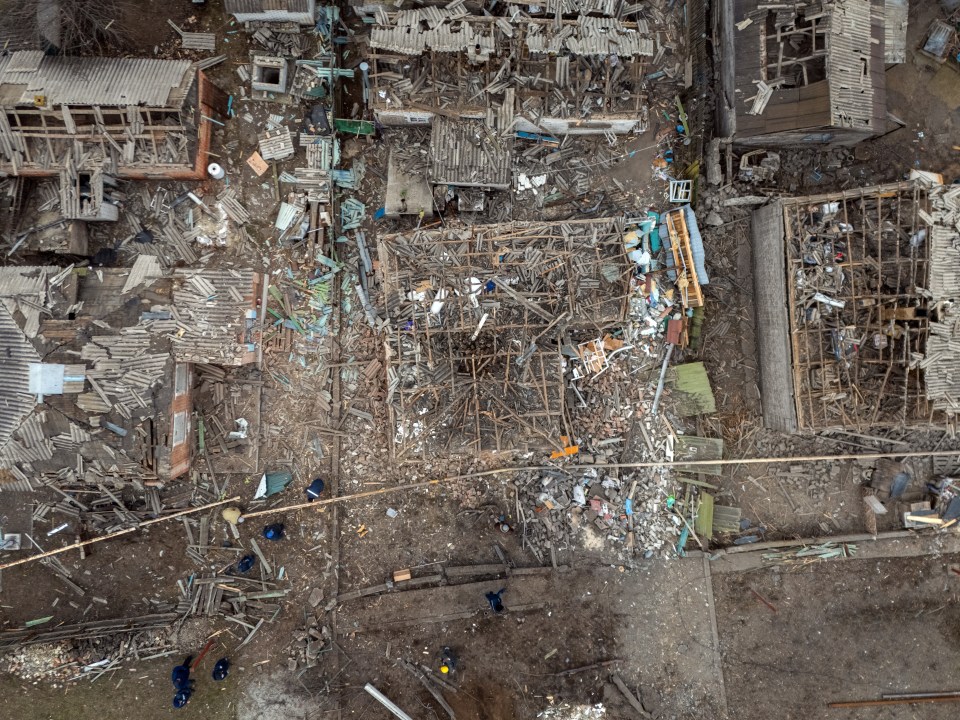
x=308, y=644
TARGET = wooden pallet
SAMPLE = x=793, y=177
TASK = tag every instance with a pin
x=690, y=295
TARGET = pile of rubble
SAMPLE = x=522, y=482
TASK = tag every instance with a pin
x=311, y=640
x=628, y=511
x=55, y=664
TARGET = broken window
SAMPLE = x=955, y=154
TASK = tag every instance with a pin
x=180, y=427
x=180, y=379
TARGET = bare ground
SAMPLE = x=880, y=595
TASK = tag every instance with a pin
x=848, y=630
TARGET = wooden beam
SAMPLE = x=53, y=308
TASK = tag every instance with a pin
x=322, y=504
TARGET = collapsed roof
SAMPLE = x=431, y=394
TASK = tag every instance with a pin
x=526, y=74
x=811, y=72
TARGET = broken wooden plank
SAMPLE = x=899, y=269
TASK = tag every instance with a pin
x=634, y=703
x=267, y=567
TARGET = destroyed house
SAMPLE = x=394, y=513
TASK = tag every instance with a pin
x=570, y=75
x=803, y=73
x=477, y=318
x=302, y=12
x=91, y=395
x=112, y=396
x=135, y=118
x=856, y=308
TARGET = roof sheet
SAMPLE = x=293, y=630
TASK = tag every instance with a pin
x=263, y=6
x=895, y=13
x=212, y=308
x=17, y=37
x=467, y=153
x=93, y=81
x=851, y=64
x=16, y=402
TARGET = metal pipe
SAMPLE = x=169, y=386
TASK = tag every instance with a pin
x=663, y=377
x=118, y=533
x=906, y=696
x=365, y=70
x=385, y=701
x=894, y=701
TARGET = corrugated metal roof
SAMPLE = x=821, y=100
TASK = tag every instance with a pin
x=17, y=353
x=17, y=37
x=25, y=281
x=850, y=70
x=212, y=308
x=468, y=154
x=94, y=81
x=263, y=6
x=895, y=15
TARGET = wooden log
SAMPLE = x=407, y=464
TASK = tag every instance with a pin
x=587, y=668
x=469, y=570
x=259, y=553
x=322, y=504
x=894, y=701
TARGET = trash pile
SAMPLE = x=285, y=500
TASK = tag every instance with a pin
x=630, y=511
x=569, y=171
x=807, y=554
x=941, y=510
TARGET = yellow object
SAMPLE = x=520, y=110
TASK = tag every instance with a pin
x=232, y=515
x=444, y=669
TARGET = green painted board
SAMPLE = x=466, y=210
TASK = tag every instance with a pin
x=703, y=523
x=726, y=519
x=692, y=386
x=354, y=127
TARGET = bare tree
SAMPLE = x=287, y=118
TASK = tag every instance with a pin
x=71, y=26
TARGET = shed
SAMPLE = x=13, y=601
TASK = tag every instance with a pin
x=134, y=118
x=807, y=73
x=467, y=153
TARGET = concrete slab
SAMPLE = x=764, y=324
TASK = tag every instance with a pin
x=406, y=194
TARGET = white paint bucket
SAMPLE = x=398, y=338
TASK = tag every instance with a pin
x=216, y=172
